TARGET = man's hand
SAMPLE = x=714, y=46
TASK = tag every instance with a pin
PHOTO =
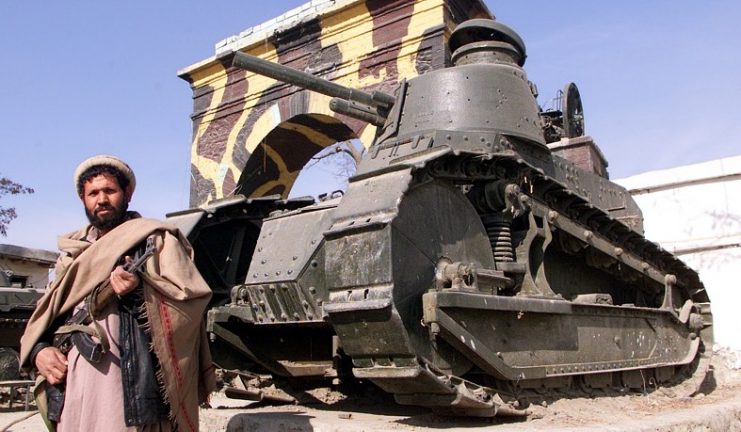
x=122, y=281
x=52, y=364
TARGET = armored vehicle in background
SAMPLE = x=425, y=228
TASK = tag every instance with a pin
x=466, y=268
x=16, y=306
x=24, y=272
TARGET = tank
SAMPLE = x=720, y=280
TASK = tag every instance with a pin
x=467, y=268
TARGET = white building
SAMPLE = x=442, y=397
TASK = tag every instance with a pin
x=22, y=267
x=694, y=211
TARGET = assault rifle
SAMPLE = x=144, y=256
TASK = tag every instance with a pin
x=77, y=332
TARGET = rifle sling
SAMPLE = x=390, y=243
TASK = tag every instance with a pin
x=95, y=331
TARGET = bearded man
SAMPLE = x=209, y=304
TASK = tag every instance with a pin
x=151, y=367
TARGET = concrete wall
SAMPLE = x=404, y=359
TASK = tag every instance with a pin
x=37, y=274
x=694, y=211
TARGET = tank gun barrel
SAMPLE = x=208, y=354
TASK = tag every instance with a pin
x=279, y=72
x=360, y=112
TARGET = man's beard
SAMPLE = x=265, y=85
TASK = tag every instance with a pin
x=110, y=221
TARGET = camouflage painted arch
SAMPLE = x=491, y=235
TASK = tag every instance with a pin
x=277, y=161
x=252, y=135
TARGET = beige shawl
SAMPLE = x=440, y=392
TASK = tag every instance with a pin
x=175, y=296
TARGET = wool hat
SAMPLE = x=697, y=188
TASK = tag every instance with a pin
x=105, y=160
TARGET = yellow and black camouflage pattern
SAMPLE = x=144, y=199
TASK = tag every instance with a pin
x=252, y=135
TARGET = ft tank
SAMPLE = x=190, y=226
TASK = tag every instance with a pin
x=466, y=268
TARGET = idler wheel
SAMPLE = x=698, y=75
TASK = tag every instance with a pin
x=10, y=367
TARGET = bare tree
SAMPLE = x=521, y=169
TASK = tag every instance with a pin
x=7, y=214
x=345, y=157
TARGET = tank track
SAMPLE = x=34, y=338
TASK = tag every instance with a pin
x=450, y=395
x=487, y=397
x=630, y=246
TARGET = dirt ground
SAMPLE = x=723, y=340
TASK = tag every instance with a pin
x=659, y=410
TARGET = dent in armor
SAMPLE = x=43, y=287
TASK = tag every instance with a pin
x=390, y=27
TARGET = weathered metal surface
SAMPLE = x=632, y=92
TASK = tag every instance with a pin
x=466, y=267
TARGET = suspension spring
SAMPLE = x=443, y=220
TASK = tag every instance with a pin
x=499, y=229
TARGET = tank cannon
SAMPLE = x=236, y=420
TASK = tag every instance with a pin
x=467, y=267
x=369, y=107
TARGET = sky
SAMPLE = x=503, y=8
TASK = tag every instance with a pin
x=659, y=80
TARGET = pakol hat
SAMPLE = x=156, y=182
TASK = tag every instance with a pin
x=105, y=160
